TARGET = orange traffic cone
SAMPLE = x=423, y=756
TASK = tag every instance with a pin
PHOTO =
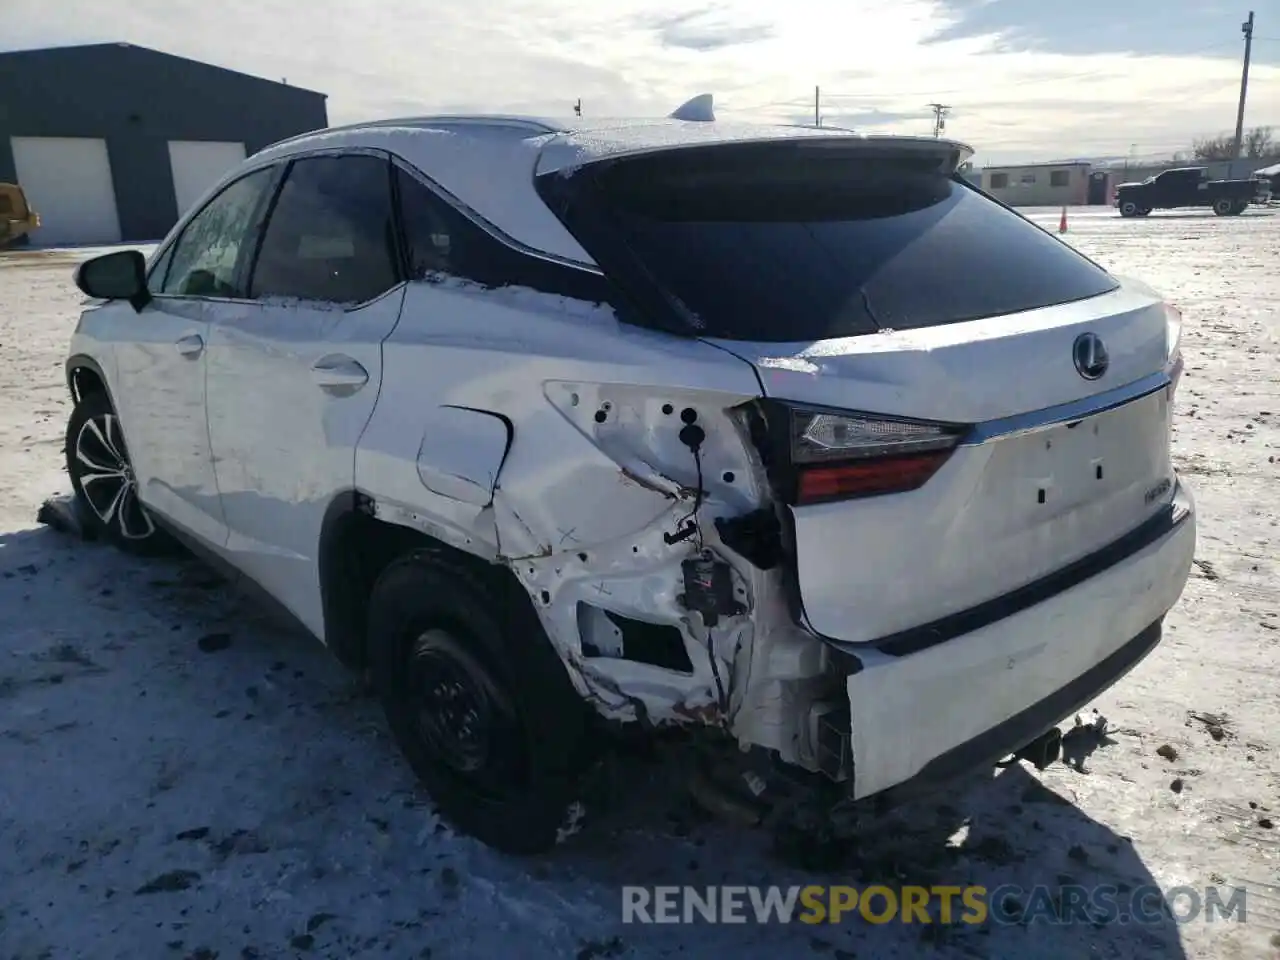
x=1062, y=224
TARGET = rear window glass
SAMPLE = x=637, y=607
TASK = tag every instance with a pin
x=794, y=247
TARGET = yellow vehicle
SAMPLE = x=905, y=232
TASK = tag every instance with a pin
x=17, y=219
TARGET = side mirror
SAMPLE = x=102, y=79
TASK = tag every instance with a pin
x=115, y=276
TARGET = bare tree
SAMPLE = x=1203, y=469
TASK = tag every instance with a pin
x=1258, y=143
x=1214, y=148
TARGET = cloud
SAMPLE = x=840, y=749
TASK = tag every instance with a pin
x=1147, y=27
x=878, y=64
x=711, y=29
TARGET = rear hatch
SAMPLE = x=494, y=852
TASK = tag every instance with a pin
x=957, y=404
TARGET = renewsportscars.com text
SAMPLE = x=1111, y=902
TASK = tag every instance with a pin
x=1009, y=904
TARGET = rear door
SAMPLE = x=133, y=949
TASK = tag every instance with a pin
x=294, y=373
x=958, y=402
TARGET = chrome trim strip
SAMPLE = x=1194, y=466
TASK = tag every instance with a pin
x=1037, y=420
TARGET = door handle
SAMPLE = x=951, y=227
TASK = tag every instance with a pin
x=337, y=372
x=192, y=345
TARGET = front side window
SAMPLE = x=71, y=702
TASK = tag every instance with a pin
x=205, y=260
x=331, y=234
x=156, y=274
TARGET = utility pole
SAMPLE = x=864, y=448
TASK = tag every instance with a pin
x=940, y=111
x=817, y=107
x=1247, y=29
x=577, y=108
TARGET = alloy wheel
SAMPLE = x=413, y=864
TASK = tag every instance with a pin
x=107, y=480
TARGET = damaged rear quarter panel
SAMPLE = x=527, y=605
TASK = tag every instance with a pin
x=595, y=474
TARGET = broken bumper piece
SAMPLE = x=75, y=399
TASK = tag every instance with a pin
x=921, y=719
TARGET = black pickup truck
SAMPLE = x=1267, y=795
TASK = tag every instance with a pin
x=1188, y=187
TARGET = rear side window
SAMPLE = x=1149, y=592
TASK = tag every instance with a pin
x=331, y=234
x=778, y=244
x=441, y=244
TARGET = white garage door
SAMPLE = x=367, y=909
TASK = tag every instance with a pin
x=67, y=181
x=197, y=165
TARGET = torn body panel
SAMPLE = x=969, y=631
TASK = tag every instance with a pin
x=608, y=488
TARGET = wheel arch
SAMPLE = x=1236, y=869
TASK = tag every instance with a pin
x=85, y=375
x=355, y=546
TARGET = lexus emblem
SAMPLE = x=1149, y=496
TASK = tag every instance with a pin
x=1090, y=356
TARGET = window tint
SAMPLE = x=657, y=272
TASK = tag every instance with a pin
x=441, y=243
x=205, y=259
x=330, y=235
x=777, y=245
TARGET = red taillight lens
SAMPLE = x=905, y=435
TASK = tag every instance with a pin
x=868, y=477
x=838, y=455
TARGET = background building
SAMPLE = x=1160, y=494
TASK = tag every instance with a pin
x=1046, y=184
x=112, y=142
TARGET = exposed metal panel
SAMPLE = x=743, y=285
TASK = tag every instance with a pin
x=68, y=183
x=197, y=165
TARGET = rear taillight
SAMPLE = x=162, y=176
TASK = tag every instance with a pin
x=819, y=483
x=816, y=456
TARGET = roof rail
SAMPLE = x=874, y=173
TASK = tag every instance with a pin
x=538, y=127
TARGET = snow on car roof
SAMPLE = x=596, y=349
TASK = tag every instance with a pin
x=489, y=162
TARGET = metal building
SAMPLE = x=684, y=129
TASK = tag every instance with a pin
x=111, y=142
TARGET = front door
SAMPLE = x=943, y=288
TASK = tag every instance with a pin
x=293, y=377
x=160, y=364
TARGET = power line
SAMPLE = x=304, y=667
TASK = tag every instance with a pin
x=1247, y=29
x=940, y=111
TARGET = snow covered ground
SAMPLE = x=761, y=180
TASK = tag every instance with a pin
x=181, y=778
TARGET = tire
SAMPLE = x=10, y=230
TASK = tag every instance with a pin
x=479, y=702
x=103, y=481
x=1223, y=207
x=1128, y=209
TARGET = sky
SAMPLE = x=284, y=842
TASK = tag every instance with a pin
x=1025, y=79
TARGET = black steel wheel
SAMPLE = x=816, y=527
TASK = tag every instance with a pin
x=479, y=702
x=463, y=719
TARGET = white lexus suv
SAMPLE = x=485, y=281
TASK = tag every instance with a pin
x=553, y=428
